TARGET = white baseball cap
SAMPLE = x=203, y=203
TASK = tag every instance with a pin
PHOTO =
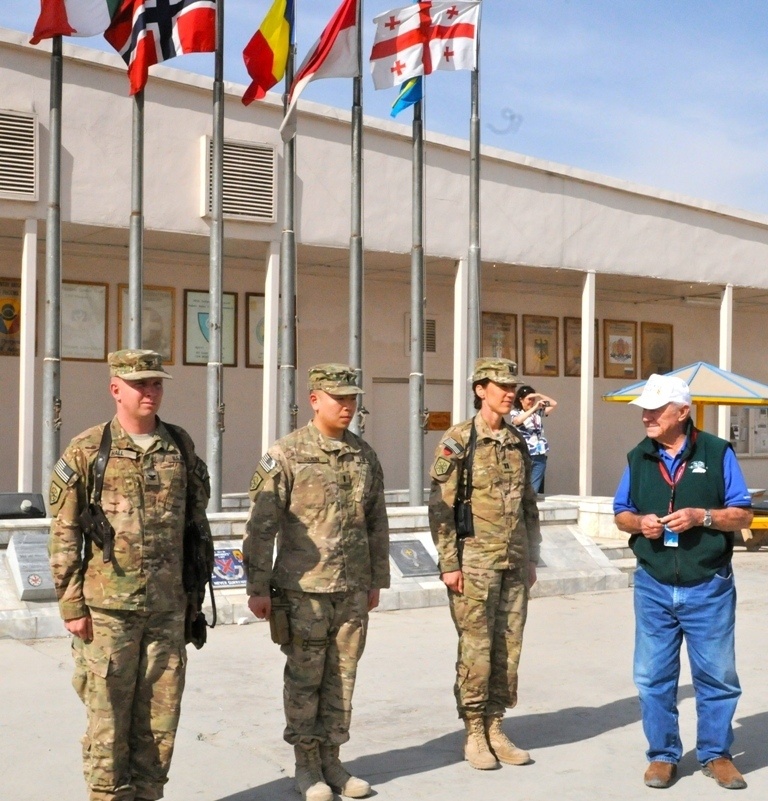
x=660, y=390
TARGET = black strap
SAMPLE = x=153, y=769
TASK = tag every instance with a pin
x=100, y=465
x=187, y=458
x=464, y=490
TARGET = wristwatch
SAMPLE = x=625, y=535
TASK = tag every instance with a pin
x=707, y=518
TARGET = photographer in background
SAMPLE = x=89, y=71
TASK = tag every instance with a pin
x=527, y=416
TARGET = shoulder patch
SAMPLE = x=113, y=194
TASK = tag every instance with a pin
x=64, y=473
x=267, y=463
x=201, y=470
x=453, y=446
x=266, y=468
x=442, y=466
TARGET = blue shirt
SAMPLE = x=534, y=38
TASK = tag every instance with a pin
x=736, y=492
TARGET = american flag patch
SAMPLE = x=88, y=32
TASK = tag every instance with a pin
x=453, y=446
x=63, y=471
x=267, y=463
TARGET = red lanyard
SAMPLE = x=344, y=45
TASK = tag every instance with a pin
x=673, y=481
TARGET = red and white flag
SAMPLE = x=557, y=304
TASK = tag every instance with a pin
x=419, y=39
x=334, y=55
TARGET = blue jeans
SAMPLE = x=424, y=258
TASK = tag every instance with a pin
x=705, y=614
x=537, y=471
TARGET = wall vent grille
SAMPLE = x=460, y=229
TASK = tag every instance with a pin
x=18, y=155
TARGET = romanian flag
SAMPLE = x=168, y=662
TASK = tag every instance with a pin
x=266, y=55
x=73, y=18
x=411, y=93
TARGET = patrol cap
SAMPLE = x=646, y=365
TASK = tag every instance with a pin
x=500, y=371
x=660, y=390
x=135, y=365
x=335, y=379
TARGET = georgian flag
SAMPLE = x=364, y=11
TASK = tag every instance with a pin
x=419, y=39
x=147, y=32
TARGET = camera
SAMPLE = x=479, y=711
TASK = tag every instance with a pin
x=545, y=403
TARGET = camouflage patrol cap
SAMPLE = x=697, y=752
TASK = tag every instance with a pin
x=500, y=371
x=135, y=365
x=335, y=379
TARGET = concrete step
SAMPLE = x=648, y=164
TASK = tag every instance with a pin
x=615, y=549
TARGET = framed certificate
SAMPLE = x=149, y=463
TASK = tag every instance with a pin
x=158, y=319
x=196, y=331
x=540, y=345
x=656, y=348
x=84, y=321
x=572, y=342
x=10, y=317
x=499, y=335
x=619, y=349
x=254, y=328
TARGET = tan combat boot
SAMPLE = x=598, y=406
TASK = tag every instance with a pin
x=309, y=775
x=339, y=777
x=504, y=749
x=476, y=750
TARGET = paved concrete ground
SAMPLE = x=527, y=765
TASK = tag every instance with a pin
x=578, y=712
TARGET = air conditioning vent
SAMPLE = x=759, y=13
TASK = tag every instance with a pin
x=249, y=181
x=18, y=155
x=430, y=334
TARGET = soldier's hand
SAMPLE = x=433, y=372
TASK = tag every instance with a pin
x=81, y=627
x=373, y=599
x=260, y=605
x=454, y=580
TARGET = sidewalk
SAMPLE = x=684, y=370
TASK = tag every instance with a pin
x=578, y=711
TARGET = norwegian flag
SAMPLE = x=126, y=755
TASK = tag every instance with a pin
x=419, y=39
x=146, y=32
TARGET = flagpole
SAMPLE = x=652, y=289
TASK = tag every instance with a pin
x=52, y=359
x=287, y=408
x=215, y=387
x=356, y=232
x=136, y=233
x=473, y=260
x=416, y=378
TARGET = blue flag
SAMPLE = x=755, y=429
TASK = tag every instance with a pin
x=410, y=93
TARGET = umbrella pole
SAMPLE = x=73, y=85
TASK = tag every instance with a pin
x=700, y=416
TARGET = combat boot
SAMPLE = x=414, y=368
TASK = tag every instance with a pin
x=476, y=750
x=504, y=749
x=309, y=775
x=339, y=777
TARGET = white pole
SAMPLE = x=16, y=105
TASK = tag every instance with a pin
x=27, y=356
x=271, y=313
x=460, y=321
x=587, y=385
x=726, y=351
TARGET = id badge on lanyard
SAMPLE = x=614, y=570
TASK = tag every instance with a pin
x=672, y=538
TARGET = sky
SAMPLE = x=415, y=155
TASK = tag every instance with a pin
x=671, y=94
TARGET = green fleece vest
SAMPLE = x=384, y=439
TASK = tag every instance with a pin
x=702, y=551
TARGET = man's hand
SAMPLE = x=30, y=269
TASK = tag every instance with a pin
x=81, y=627
x=260, y=605
x=373, y=599
x=683, y=519
x=454, y=580
x=649, y=526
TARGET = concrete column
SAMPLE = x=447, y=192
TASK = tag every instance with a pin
x=460, y=320
x=587, y=385
x=27, y=357
x=270, y=378
x=726, y=351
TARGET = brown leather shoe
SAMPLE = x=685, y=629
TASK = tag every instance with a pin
x=724, y=772
x=660, y=775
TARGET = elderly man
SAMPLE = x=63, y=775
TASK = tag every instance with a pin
x=681, y=498
x=320, y=491
x=121, y=595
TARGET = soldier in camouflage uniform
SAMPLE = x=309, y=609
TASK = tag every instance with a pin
x=488, y=575
x=127, y=613
x=321, y=491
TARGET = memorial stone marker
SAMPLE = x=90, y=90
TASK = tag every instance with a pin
x=28, y=563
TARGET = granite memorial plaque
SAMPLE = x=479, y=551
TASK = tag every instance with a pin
x=228, y=568
x=28, y=563
x=412, y=558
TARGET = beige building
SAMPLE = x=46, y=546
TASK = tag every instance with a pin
x=557, y=243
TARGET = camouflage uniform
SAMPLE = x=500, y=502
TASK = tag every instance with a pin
x=324, y=499
x=490, y=614
x=130, y=676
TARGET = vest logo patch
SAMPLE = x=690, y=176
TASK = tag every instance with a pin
x=698, y=467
